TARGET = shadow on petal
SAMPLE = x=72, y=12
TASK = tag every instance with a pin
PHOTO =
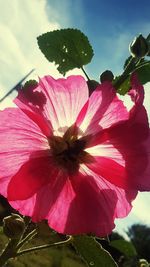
x=92, y=210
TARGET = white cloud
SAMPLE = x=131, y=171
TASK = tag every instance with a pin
x=21, y=23
x=141, y=207
x=139, y=214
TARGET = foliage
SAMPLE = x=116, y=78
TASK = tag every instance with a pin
x=92, y=252
x=144, y=72
x=125, y=247
x=55, y=257
x=69, y=48
x=140, y=237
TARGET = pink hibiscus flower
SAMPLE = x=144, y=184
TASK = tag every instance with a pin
x=75, y=160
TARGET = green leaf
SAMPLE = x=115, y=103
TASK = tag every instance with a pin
x=92, y=252
x=127, y=61
x=124, y=87
x=125, y=247
x=148, y=40
x=144, y=72
x=69, y=48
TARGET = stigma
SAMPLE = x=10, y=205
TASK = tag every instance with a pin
x=68, y=151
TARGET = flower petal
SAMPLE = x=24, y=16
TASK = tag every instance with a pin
x=30, y=178
x=123, y=156
x=70, y=203
x=63, y=100
x=20, y=137
x=39, y=205
x=137, y=90
x=124, y=198
x=122, y=152
x=79, y=202
x=104, y=109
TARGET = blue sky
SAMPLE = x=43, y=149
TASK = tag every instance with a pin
x=110, y=27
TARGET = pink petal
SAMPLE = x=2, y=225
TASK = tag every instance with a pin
x=20, y=138
x=39, y=205
x=137, y=90
x=82, y=208
x=143, y=178
x=64, y=99
x=138, y=112
x=122, y=152
x=122, y=156
x=43, y=124
x=104, y=109
x=70, y=202
x=30, y=178
x=82, y=114
x=124, y=198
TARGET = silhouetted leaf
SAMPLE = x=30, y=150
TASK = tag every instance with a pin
x=92, y=252
x=125, y=247
x=69, y=48
x=144, y=73
x=148, y=40
x=127, y=61
x=124, y=87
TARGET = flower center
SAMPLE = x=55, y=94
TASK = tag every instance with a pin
x=68, y=151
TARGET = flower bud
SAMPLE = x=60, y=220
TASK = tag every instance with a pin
x=92, y=84
x=13, y=226
x=139, y=47
x=143, y=263
x=31, y=84
x=107, y=75
x=35, y=97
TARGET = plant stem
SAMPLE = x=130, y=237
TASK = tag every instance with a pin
x=33, y=249
x=11, y=249
x=27, y=238
x=130, y=67
x=142, y=65
x=8, y=252
x=85, y=73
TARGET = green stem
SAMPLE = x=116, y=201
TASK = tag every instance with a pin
x=27, y=238
x=29, y=250
x=108, y=239
x=142, y=65
x=11, y=249
x=133, y=65
x=85, y=73
x=129, y=68
x=138, y=61
x=8, y=252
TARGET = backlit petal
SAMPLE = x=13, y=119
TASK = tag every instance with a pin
x=31, y=177
x=64, y=99
x=20, y=138
x=104, y=109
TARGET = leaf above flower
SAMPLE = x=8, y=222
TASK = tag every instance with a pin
x=68, y=48
x=148, y=40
